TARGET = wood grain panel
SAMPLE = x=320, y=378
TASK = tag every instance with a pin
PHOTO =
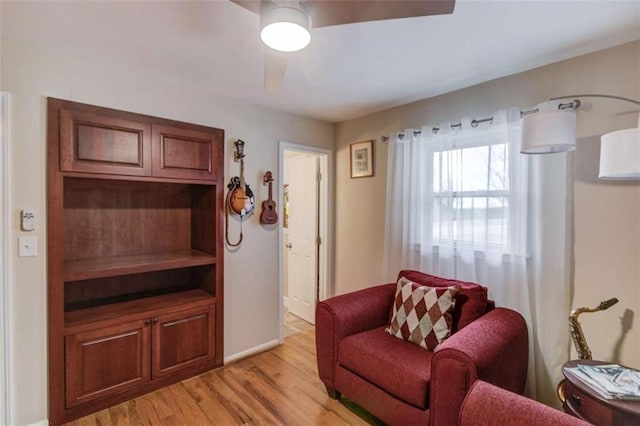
x=108, y=145
x=113, y=218
x=204, y=236
x=95, y=292
x=185, y=153
x=120, y=265
x=205, y=277
x=183, y=338
x=101, y=362
x=55, y=290
x=101, y=144
x=107, y=315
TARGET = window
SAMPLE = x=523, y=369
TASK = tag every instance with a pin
x=470, y=199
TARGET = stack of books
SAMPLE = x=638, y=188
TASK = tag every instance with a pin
x=611, y=381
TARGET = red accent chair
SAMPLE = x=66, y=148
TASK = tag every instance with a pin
x=402, y=383
x=488, y=405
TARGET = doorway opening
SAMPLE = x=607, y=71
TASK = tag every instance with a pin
x=303, y=183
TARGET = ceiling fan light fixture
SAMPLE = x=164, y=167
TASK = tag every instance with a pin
x=285, y=28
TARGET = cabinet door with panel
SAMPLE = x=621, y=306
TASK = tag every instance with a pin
x=104, y=361
x=104, y=144
x=185, y=153
x=182, y=338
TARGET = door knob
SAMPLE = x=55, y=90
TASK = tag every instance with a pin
x=288, y=245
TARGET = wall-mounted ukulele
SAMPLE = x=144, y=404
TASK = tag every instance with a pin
x=269, y=214
x=240, y=199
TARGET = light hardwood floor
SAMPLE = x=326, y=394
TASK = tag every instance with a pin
x=294, y=325
x=280, y=386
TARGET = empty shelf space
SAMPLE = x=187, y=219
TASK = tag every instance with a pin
x=83, y=319
x=84, y=269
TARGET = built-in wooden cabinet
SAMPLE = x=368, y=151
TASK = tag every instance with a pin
x=135, y=209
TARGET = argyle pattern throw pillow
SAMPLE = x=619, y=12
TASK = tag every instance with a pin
x=422, y=315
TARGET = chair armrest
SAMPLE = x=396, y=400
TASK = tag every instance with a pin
x=493, y=348
x=488, y=405
x=348, y=314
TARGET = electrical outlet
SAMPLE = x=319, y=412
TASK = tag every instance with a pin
x=27, y=246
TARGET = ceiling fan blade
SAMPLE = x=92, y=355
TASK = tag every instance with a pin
x=325, y=13
x=275, y=67
x=337, y=12
x=252, y=5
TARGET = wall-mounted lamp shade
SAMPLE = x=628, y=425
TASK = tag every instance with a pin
x=547, y=132
x=285, y=28
x=620, y=155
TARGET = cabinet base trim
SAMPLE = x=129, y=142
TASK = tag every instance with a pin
x=253, y=351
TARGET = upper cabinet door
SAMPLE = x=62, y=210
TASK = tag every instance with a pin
x=185, y=153
x=93, y=143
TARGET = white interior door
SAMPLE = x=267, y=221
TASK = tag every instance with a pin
x=303, y=231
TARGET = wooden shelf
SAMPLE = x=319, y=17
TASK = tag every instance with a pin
x=103, y=267
x=101, y=316
x=103, y=176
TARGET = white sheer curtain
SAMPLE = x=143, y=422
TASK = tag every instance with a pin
x=464, y=203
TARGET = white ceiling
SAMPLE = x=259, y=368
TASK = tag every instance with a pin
x=346, y=71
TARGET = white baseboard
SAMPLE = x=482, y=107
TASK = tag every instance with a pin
x=252, y=351
x=44, y=422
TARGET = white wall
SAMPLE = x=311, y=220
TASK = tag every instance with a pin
x=607, y=214
x=251, y=272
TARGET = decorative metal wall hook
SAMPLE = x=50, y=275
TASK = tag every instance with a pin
x=239, y=153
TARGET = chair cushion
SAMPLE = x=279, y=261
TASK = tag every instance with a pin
x=471, y=300
x=422, y=315
x=400, y=368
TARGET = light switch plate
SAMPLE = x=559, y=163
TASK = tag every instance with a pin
x=27, y=246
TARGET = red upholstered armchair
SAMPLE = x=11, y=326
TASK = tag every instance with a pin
x=402, y=383
x=488, y=405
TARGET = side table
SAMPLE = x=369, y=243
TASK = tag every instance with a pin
x=585, y=403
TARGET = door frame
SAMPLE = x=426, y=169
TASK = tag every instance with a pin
x=324, y=218
x=5, y=204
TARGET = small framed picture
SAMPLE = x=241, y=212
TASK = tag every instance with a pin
x=362, y=159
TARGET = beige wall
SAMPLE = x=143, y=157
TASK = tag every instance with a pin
x=251, y=272
x=607, y=214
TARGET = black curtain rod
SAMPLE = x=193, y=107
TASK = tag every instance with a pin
x=575, y=104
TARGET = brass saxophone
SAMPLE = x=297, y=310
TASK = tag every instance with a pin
x=578, y=336
x=576, y=329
